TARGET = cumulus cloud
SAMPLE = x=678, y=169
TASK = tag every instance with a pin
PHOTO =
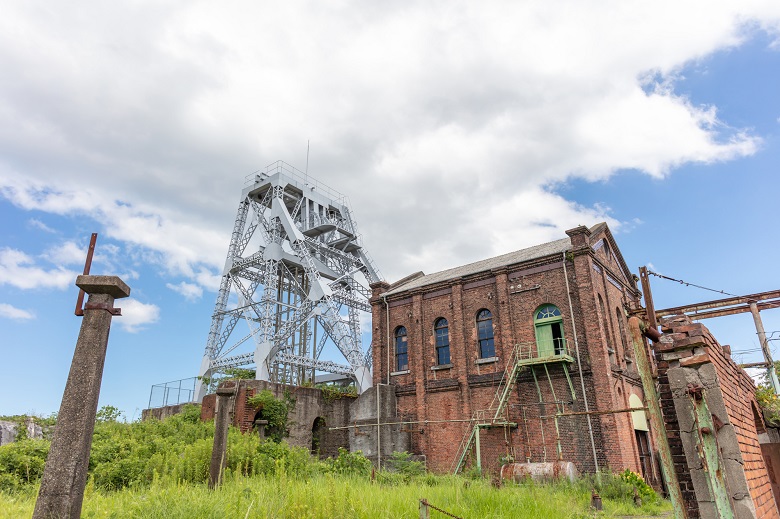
x=19, y=270
x=449, y=125
x=11, y=312
x=190, y=291
x=66, y=253
x=136, y=315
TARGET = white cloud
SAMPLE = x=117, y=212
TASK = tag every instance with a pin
x=34, y=222
x=19, y=270
x=191, y=292
x=430, y=116
x=66, y=253
x=12, y=312
x=136, y=315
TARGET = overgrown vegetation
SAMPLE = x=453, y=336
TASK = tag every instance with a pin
x=768, y=400
x=212, y=382
x=275, y=410
x=159, y=469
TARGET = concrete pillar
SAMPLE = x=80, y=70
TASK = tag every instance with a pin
x=65, y=474
x=221, y=424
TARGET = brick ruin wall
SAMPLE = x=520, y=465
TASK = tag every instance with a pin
x=310, y=404
x=689, y=347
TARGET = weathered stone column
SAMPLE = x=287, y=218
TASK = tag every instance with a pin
x=221, y=424
x=65, y=473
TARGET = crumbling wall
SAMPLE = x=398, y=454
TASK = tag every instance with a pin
x=310, y=405
x=693, y=369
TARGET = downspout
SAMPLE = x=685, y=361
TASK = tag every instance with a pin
x=579, y=365
x=387, y=329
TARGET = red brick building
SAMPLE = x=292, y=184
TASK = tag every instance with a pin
x=559, y=309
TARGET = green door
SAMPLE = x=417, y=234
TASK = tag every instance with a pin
x=544, y=340
x=545, y=318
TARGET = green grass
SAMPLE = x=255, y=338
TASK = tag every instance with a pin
x=333, y=496
x=158, y=469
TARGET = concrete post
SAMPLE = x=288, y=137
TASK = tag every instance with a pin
x=770, y=368
x=658, y=428
x=221, y=424
x=65, y=474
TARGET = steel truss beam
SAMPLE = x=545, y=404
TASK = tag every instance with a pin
x=294, y=273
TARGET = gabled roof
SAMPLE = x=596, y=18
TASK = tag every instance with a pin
x=511, y=258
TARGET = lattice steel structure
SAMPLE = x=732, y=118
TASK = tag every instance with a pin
x=295, y=274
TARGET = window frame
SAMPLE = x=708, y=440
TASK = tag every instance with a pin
x=484, y=341
x=441, y=333
x=398, y=340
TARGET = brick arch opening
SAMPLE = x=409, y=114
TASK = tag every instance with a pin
x=318, y=430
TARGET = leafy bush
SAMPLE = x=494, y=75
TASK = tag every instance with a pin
x=275, y=410
x=349, y=463
x=620, y=487
x=108, y=413
x=402, y=463
x=22, y=462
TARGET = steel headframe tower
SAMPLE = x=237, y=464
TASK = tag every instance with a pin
x=294, y=265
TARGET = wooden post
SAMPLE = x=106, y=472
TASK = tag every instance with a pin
x=425, y=513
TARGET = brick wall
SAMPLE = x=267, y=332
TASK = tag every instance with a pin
x=309, y=405
x=688, y=350
x=445, y=397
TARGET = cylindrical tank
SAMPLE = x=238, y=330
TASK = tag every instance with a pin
x=539, y=471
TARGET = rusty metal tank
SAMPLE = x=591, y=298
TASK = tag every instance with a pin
x=548, y=471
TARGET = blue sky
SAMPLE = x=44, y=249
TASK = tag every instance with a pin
x=456, y=133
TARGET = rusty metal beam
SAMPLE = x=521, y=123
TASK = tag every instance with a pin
x=648, y=295
x=745, y=308
x=719, y=303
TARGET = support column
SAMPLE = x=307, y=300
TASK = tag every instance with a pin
x=65, y=474
x=221, y=425
x=657, y=426
x=770, y=368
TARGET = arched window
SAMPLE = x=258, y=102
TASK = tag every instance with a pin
x=606, y=331
x=548, y=323
x=485, y=334
x=621, y=329
x=401, y=350
x=442, y=330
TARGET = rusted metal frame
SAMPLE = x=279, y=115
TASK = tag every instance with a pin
x=87, y=265
x=754, y=365
x=658, y=428
x=555, y=418
x=568, y=379
x=648, y=295
x=615, y=411
x=719, y=303
x=707, y=448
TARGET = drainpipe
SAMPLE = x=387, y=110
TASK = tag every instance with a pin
x=579, y=366
x=378, y=437
x=387, y=330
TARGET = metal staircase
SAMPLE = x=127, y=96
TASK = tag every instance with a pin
x=525, y=355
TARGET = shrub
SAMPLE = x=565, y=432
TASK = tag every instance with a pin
x=349, y=463
x=275, y=410
x=402, y=463
x=22, y=462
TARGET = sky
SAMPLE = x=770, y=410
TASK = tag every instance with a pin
x=459, y=131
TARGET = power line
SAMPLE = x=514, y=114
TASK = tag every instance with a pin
x=687, y=284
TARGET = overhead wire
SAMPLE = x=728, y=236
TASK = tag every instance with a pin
x=688, y=284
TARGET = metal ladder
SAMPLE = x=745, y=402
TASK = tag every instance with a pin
x=480, y=418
